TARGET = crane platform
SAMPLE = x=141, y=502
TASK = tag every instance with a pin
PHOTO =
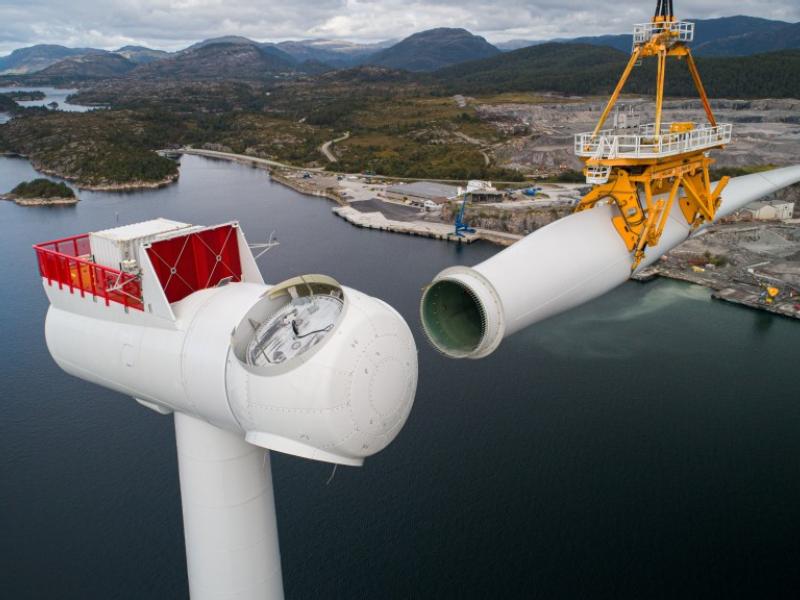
x=679, y=31
x=644, y=143
x=645, y=170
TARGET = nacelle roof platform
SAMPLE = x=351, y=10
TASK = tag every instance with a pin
x=146, y=266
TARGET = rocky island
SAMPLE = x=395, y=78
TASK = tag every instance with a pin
x=25, y=96
x=41, y=192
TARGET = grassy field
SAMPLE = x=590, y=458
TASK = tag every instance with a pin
x=421, y=137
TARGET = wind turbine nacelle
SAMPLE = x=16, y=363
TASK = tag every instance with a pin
x=306, y=367
x=466, y=312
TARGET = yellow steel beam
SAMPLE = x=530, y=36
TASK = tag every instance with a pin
x=653, y=212
x=700, y=89
x=656, y=235
x=617, y=91
x=662, y=72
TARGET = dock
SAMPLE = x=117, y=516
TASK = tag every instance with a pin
x=744, y=295
x=750, y=299
x=427, y=229
x=376, y=220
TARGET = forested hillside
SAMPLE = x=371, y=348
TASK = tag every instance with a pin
x=589, y=70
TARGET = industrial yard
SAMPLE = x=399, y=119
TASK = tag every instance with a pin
x=766, y=132
x=429, y=209
x=740, y=259
x=751, y=264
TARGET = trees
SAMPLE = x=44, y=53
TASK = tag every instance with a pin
x=42, y=188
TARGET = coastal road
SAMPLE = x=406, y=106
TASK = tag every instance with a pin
x=273, y=163
x=326, y=147
x=232, y=156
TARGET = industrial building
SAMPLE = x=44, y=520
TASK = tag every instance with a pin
x=481, y=192
x=775, y=210
x=422, y=193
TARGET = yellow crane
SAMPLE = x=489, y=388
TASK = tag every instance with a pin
x=643, y=169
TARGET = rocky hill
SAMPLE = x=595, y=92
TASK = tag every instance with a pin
x=710, y=34
x=781, y=38
x=141, y=55
x=220, y=61
x=335, y=53
x=87, y=66
x=433, y=49
x=36, y=58
x=591, y=70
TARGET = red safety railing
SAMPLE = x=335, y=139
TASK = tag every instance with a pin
x=67, y=262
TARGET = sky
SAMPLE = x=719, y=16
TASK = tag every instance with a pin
x=174, y=24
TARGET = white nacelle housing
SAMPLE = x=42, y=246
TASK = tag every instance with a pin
x=307, y=367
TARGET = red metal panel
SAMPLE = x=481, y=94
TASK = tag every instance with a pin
x=196, y=261
x=67, y=263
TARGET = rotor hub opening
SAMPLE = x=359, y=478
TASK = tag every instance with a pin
x=453, y=318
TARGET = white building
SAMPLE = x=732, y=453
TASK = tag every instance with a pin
x=775, y=210
x=481, y=191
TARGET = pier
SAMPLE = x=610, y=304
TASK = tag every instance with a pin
x=750, y=299
x=376, y=220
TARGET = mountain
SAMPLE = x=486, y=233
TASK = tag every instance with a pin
x=335, y=53
x=236, y=40
x=592, y=70
x=517, y=44
x=755, y=42
x=622, y=42
x=36, y=58
x=366, y=74
x=708, y=32
x=434, y=49
x=564, y=68
x=87, y=66
x=225, y=39
x=141, y=55
x=220, y=61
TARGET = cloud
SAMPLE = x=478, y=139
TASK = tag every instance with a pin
x=173, y=24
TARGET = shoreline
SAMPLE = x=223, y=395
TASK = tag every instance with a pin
x=108, y=187
x=125, y=187
x=98, y=187
x=58, y=201
x=343, y=209
x=723, y=290
x=270, y=166
x=297, y=186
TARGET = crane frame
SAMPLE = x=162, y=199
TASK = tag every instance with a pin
x=644, y=184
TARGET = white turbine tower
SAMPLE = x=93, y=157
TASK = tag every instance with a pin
x=179, y=318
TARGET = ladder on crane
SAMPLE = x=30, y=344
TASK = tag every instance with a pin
x=647, y=169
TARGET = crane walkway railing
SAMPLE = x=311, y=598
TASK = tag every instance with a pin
x=680, y=31
x=643, y=142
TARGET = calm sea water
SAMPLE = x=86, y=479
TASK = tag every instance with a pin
x=646, y=446
x=52, y=94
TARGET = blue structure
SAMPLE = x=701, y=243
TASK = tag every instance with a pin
x=461, y=225
x=531, y=191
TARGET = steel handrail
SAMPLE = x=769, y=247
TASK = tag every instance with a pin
x=646, y=144
x=98, y=274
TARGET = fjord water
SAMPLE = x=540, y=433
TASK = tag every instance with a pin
x=51, y=94
x=645, y=446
